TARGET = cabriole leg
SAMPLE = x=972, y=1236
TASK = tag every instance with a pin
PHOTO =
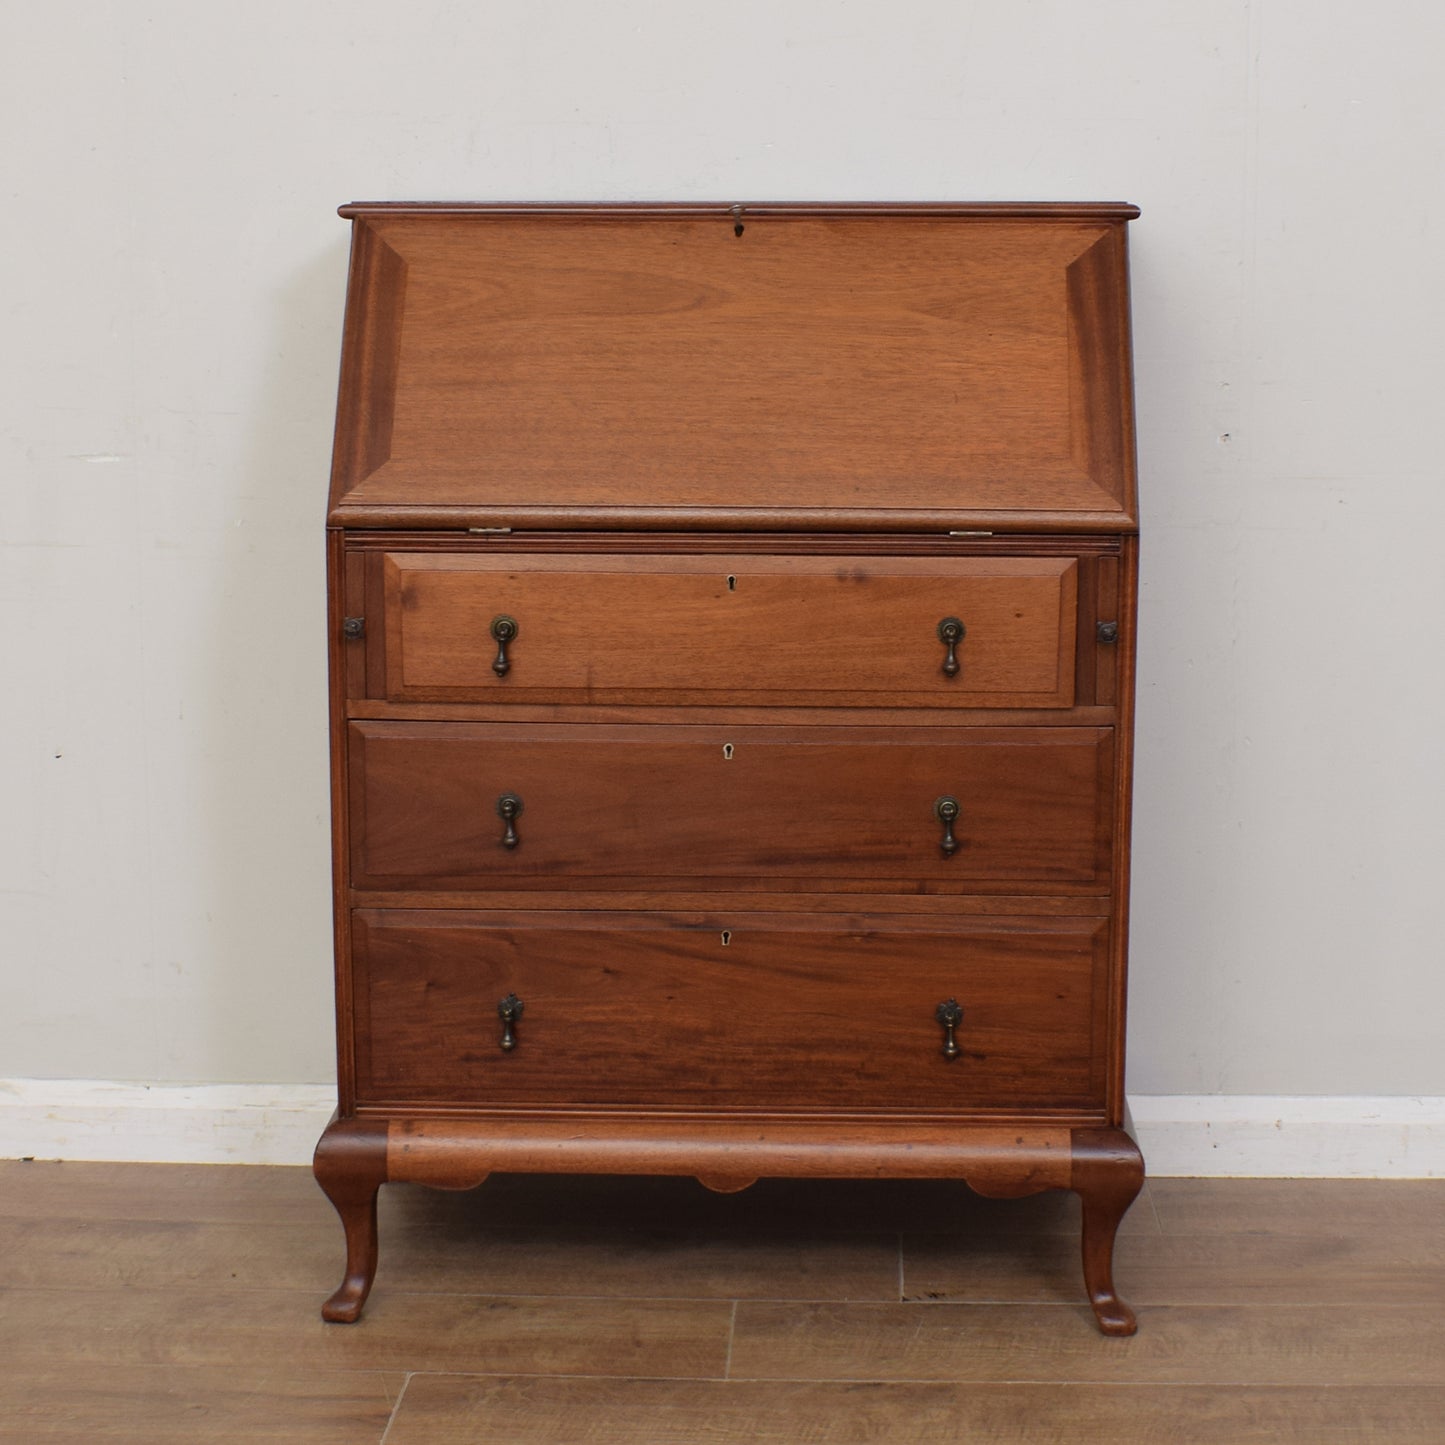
x=350, y=1166
x=1107, y=1175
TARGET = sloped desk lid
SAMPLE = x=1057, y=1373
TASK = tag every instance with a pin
x=829, y=368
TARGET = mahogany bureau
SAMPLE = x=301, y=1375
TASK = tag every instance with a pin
x=732, y=634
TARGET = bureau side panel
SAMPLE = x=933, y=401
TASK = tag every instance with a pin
x=343, y=582
x=1128, y=575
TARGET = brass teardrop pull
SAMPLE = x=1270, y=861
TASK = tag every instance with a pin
x=509, y=809
x=950, y=1015
x=504, y=631
x=509, y=1011
x=950, y=634
x=946, y=811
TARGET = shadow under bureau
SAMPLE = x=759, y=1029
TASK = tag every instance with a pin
x=732, y=632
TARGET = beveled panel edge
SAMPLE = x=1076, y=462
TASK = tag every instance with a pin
x=1006, y=908
x=900, y=704
x=1101, y=379
x=686, y=210
x=1080, y=891
x=712, y=910
x=1059, y=566
x=761, y=714
x=790, y=520
x=658, y=1116
x=957, y=543
x=370, y=343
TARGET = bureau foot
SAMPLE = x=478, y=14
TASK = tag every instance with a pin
x=1107, y=1174
x=350, y=1166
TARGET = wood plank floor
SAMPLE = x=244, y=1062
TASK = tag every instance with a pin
x=180, y=1304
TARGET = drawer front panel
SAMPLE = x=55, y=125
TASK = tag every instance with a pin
x=767, y=808
x=744, y=629
x=782, y=1011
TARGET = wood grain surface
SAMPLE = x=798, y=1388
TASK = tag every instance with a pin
x=503, y=359
x=762, y=1011
x=573, y=1335
x=78, y=1402
x=1220, y=1345
x=618, y=463
x=807, y=809
x=778, y=630
x=466, y=1410
x=176, y=1304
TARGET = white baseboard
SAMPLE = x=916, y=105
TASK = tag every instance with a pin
x=1291, y=1137
x=1187, y=1134
x=162, y=1123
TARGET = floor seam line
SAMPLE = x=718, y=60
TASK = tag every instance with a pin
x=395, y=1409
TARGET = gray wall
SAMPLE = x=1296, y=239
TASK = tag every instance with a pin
x=172, y=299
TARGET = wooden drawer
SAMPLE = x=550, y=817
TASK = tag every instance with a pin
x=776, y=1011
x=768, y=808
x=741, y=629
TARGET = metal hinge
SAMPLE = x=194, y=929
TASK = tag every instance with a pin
x=970, y=534
x=490, y=531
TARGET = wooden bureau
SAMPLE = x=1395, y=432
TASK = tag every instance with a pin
x=732, y=634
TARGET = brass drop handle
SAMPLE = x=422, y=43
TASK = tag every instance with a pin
x=950, y=1015
x=950, y=634
x=946, y=811
x=504, y=631
x=509, y=1011
x=509, y=809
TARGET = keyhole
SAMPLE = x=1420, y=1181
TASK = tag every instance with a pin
x=732, y=583
x=727, y=752
x=727, y=936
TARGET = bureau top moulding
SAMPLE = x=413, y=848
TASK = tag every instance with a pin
x=753, y=367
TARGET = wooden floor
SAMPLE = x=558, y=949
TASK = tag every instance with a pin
x=180, y=1303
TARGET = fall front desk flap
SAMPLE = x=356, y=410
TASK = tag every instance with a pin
x=833, y=368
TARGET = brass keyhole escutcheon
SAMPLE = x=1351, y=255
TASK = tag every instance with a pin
x=727, y=752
